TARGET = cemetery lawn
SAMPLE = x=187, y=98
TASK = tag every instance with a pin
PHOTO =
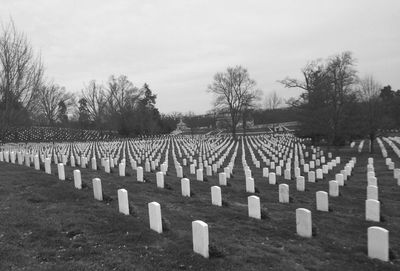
x=47, y=224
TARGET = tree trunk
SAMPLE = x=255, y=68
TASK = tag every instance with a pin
x=233, y=125
x=371, y=145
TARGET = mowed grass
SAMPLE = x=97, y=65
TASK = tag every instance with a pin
x=47, y=224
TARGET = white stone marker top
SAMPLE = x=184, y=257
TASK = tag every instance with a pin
x=378, y=243
x=155, y=216
x=200, y=238
x=303, y=222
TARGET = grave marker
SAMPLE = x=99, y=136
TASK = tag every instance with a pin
x=200, y=238
x=378, y=243
x=372, y=192
x=199, y=174
x=372, y=210
x=272, y=178
x=303, y=222
x=139, y=174
x=300, y=183
x=322, y=201
x=185, y=187
x=250, y=185
x=254, y=207
x=155, y=216
x=333, y=189
x=77, y=179
x=283, y=193
x=216, y=198
x=222, y=178
x=61, y=172
x=97, y=190
x=123, y=203
x=160, y=179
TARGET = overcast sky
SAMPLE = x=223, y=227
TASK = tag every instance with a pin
x=177, y=46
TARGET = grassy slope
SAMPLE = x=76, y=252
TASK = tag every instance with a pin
x=46, y=224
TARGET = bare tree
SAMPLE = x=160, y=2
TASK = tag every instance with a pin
x=95, y=97
x=273, y=101
x=326, y=104
x=49, y=98
x=234, y=90
x=370, y=89
x=21, y=75
x=369, y=94
x=122, y=101
x=122, y=94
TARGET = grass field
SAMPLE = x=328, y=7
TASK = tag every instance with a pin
x=47, y=224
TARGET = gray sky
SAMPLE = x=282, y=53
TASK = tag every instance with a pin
x=177, y=46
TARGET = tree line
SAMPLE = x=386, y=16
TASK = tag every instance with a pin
x=27, y=97
x=337, y=105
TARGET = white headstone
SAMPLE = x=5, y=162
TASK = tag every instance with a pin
x=278, y=171
x=325, y=169
x=121, y=168
x=47, y=165
x=287, y=174
x=192, y=169
x=320, y=176
x=72, y=161
x=209, y=171
x=199, y=174
x=296, y=172
x=160, y=179
x=179, y=172
x=139, y=174
x=303, y=222
x=216, y=197
x=97, y=190
x=200, y=238
x=311, y=176
x=372, y=192
x=372, y=181
x=339, y=178
x=222, y=178
x=272, y=178
x=155, y=217
x=322, y=201
x=36, y=162
x=77, y=179
x=283, y=193
x=227, y=171
x=147, y=166
x=250, y=185
x=185, y=187
x=61, y=171
x=123, y=203
x=372, y=210
x=254, y=207
x=265, y=172
x=107, y=166
x=333, y=189
x=300, y=183
x=378, y=243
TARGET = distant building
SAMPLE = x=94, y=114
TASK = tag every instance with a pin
x=224, y=121
x=181, y=127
